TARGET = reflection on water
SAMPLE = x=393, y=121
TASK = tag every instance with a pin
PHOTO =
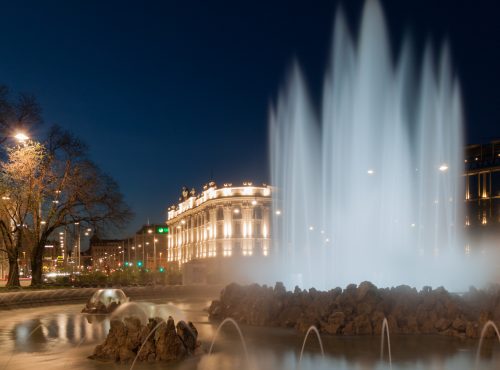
x=60, y=337
x=61, y=328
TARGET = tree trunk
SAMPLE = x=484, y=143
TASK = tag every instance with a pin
x=37, y=264
x=13, y=280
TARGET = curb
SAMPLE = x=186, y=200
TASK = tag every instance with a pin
x=14, y=300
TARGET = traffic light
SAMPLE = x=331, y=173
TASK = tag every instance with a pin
x=139, y=263
x=162, y=230
x=162, y=269
x=126, y=264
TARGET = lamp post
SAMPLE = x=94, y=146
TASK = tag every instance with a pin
x=150, y=231
x=154, y=251
x=77, y=246
x=140, y=246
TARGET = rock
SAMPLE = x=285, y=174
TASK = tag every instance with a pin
x=348, y=329
x=188, y=335
x=289, y=316
x=160, y=341
x=215, y=311
x=279, y=289
x=377, y=319
x=442, y=324
x=361, y=309
x=363, y=325
x=471, y=330
x=459, y=324
x=126, y=354
x=335, y=323
x=366, y=289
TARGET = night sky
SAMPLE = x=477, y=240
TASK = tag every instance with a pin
x=171, y=93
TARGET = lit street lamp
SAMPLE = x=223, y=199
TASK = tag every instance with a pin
x=21, y=137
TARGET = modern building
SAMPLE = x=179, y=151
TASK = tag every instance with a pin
x=220, y=223
x=482, y=188
x=106, y=254
x=147, y=247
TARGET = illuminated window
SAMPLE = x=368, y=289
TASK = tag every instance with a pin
x=237, y=213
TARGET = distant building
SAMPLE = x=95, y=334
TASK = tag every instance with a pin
x=220, y=223
x=482, y=188
x=149, y=241
x=106, y=254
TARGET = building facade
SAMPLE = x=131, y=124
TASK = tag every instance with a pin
x=147, y=247
x=482, y=187
x=230, y=221
x=106, y=254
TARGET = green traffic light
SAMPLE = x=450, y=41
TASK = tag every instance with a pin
x=139, y=263
x=162, y=269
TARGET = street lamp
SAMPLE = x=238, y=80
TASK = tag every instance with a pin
x=154, y=251
x=21, y=137
x=140, y=246
x=150, y=231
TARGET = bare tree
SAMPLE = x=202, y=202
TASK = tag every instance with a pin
x=20, y=113
x=71, y=189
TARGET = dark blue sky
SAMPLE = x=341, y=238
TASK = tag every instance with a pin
x=167, y=93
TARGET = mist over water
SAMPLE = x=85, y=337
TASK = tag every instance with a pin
x=370, y=186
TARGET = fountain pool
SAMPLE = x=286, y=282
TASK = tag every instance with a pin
x=65, y=339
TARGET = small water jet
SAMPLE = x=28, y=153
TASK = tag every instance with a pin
x=385, y=330
x=235, y=324
x=143, y=343
x=316, y=331
x=489, y=324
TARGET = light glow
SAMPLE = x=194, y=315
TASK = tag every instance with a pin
x=21, y=137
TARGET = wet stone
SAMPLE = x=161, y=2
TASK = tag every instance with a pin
x=156, y=341
x=360, y=310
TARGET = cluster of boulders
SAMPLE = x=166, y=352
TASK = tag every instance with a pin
x=129, y=338
x=358, y=310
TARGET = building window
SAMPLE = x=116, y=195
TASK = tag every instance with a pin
x=237, y=213
x=220, y=213
x=257, y=212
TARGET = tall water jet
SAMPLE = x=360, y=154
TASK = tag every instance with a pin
x=371, y=187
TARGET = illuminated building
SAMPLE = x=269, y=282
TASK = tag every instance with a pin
x=482, y=187
x=106, y=254
x=231, y=221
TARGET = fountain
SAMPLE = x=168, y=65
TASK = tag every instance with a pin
x=370, y=188
x=105, y=301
